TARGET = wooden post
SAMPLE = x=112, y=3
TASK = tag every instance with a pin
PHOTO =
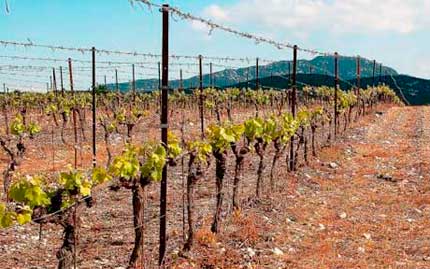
x=164, y=130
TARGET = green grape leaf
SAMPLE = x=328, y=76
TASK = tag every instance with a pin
x=100, y=175
x=23, y=218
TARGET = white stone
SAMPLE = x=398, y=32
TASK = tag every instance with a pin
x=333, y=165
x=277, y=252
x=251, y=252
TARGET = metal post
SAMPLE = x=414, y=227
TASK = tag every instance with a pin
x=181, y=81
x=94, y=104
x=358, y=75
x=75, y=132
x=211, y=75
x=289, y=73
x=116, y=80
x=374, y=70
x=4, y=87
x=247, y=78
x=54, y=81
x=159, y=76
x=336, y=86
x=256, y=75
x=164, y=129
x=61, y=81
x=293, y=105
x=202, y=120
x=105, y=81
x=133, y=81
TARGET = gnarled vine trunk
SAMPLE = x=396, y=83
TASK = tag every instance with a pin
x=260, y=148
x=138, y=222
x=278, y=152
x=240, y=157
x=220, y=167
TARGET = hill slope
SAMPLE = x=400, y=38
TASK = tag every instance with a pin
x=319, y=65
x=275, y=75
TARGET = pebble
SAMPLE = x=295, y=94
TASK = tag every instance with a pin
x=251, y=252
x=333, y=165
x=342, y=215
x=367, y=236
x=277, y=252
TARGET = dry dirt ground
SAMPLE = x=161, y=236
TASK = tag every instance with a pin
x=364, y=202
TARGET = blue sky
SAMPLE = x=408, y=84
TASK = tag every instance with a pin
x=392, y=32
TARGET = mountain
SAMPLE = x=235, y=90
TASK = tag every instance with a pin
x=316, y=72
x=321, y=65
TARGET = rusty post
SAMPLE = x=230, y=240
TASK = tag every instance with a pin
x=256, y=75
x=247, y=78
x=75, y=129
x=181, y=81
x=336, y=86
x=358, y=75
x=61, y=81
x=54, y=81
x=164, y=130
x=94, y=104
x=202, y=116
x=133, y=82
x=293, y=105
x=211, y=75
x=116, y=80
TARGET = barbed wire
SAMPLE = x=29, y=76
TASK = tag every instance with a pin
x=189, y=64
x=212, y=26
x=400, y=90
x=30, y=44
x=85, y=70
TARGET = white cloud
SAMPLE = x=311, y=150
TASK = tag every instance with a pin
x=336, y=16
